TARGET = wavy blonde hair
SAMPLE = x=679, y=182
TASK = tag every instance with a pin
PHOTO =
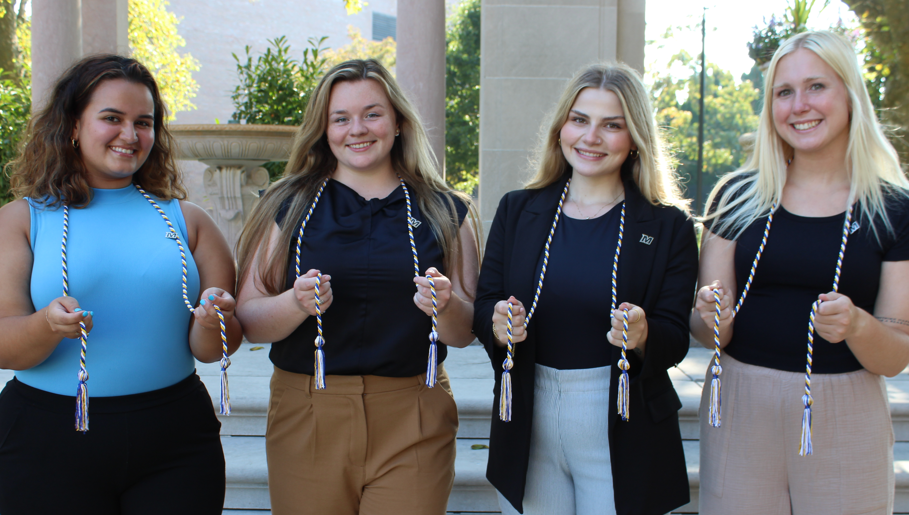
x=871, y=160
x=651, y=171
x=312, y=161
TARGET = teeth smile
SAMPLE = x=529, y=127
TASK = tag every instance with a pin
x=589, y=154
x=361, y=145
x=123, y=150
x=806, y=125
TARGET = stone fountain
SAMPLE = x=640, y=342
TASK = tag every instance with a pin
x=234, y=154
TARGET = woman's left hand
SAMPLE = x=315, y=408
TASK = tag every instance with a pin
x=836, y=317
x=637, y=327
x=205, y=313
x=423, y=297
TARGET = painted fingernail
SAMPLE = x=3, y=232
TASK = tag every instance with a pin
x=78, y=310
x=85, y=313
x=202, y=302
x=211, y=297
x=92, y=313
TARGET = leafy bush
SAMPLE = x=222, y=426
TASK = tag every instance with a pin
x=276, y=88
x=15, y=109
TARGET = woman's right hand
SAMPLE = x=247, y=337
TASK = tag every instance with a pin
x=64, y=314
x=305, y=292
x=500, y=321
x=706, y=304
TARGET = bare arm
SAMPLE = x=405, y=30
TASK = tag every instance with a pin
x=27, y=337
x=456, y=313
x=270, y=318
x=716, y=271
x=880, y=342
x=217, y=278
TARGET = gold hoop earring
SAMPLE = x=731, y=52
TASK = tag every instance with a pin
x=75, y=143
x=633, y=154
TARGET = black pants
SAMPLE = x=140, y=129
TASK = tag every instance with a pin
x=154, y=453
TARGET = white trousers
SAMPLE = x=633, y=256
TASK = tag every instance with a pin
x=569, y=470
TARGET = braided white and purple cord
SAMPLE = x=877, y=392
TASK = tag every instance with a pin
x=82, y=388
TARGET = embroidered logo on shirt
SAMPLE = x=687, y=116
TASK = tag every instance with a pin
x=414, y=222
x=646, y=240
x=855, y=227
x=171, y=235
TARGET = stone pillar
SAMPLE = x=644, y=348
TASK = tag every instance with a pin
x=630, y=34
x=105, y=27
x=421, y=64
x=56, y=43
x=529, y=51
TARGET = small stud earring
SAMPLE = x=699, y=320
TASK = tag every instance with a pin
x=397, y=133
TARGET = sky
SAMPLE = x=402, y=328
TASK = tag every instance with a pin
x=730, y=26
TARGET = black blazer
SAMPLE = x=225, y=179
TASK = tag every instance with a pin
x=648, y=464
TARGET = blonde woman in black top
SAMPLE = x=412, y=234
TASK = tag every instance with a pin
x=788, y=442
x=602, y=179
x=360, y=185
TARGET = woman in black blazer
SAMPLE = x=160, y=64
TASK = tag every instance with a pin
x=604, y=219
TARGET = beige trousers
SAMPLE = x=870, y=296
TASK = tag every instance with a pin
x=364, y=445
x=751, y=465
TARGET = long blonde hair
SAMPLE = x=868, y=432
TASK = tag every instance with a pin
x=651, y=170
x=312, y=161
x=871, y=160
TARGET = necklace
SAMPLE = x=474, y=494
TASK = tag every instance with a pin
x=611, y=202
x=508, y=364
x=715, y=406
x=82, y=388
x=319, y=366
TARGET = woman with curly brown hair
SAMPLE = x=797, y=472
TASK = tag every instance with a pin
x=96, y=173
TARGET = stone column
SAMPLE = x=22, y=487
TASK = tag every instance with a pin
x=421, y=64
x=105, y=27
x=56, y=43
x=529, y=51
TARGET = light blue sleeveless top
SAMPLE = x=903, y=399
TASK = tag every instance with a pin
x=122, y=266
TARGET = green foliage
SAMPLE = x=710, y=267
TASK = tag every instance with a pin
x=384, y=51
x=276, y=87
x=154, y=41
x=728, y=112
x=15, y=108
x=462, y=98
x=768, y=38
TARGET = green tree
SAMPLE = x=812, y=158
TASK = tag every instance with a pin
x=462, y=98
x=153, y=40
x=11, y=17
x=728, y=114
x=384, y=51
x=886, y=35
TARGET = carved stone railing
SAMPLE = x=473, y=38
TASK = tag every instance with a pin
x=234, y=155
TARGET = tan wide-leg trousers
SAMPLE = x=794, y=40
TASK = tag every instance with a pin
x=751, y=465
x=364, y=445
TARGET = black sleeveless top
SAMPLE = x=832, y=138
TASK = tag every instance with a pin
x=373, y=326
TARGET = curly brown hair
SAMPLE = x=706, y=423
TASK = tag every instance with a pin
x=49, y=166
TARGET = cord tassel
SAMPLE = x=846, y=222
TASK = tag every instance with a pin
x=624, y=384
x=320, y=364
x=715, y=410
x=432, y=362
x=225, y=362
x=82, y=402
x=805, y=444
x=505, y=394
x=507, y=365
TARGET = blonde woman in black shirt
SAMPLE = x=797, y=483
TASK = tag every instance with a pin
x=337, y=253
x=604, y=224
x=805, y=434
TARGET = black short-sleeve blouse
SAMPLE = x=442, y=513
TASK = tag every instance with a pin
x=372, y=326
x=797, y=265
